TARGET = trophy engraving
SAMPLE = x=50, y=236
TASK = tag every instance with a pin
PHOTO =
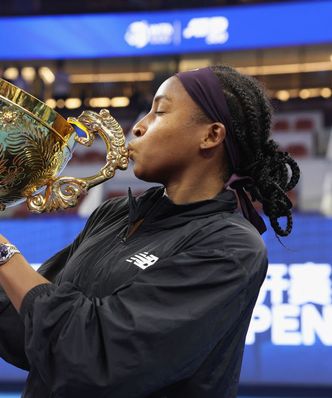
x=36, y=144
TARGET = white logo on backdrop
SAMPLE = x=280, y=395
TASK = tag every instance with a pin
x=300, y=307
x=213, y=29
x=141, y=33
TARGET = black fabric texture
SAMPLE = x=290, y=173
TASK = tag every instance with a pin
x=162, y=313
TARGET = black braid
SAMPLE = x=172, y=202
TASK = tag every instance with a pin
x=274, y=172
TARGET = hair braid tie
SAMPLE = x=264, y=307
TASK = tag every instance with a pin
x=238, y=183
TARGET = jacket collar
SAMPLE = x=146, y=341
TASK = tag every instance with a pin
x=158, y=210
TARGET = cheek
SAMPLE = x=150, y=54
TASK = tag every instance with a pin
x=154, y=160
x=154, y=141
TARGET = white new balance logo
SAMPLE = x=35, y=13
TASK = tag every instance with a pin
x=143, y=260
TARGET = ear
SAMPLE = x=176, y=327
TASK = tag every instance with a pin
x=214, y=136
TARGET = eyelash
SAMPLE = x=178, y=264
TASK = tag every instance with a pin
x=159, y=113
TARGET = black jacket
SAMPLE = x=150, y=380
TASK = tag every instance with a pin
x=163, y=313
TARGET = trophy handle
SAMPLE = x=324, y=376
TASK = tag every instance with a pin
x=63, y=192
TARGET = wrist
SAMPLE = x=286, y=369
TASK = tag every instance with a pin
x=7, y=251
x=3, y=239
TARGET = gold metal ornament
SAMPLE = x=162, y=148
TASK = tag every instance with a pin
x=36, y=143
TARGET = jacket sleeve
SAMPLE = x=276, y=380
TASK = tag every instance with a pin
x=11, y=325
x=11, y=334
x=151, y=332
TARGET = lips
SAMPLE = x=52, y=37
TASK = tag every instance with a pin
x=130, y=152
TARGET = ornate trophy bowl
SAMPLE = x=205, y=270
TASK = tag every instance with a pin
x=36, y=144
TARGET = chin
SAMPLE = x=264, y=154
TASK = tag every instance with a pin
x=146, y=173
x=146, y=176
x=139, y=173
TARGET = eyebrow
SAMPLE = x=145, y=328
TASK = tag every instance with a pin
x=160, y=97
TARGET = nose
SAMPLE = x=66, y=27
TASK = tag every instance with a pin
x=139, y=128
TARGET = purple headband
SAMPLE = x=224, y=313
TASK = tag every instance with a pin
x=204, y=88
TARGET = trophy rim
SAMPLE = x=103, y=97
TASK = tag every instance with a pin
x=35, y=108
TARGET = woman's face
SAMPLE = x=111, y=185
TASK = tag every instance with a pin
x=167, y=143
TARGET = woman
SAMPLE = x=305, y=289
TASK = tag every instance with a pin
x=154, y=297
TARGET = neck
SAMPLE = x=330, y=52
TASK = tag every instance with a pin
x=182, y=192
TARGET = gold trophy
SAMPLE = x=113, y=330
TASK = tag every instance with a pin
x=36, y=144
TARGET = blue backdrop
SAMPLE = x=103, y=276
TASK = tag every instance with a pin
x=166, y=32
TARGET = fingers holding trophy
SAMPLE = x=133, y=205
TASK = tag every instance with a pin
x=36, y=143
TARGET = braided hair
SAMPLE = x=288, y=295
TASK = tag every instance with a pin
x=273, y=172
